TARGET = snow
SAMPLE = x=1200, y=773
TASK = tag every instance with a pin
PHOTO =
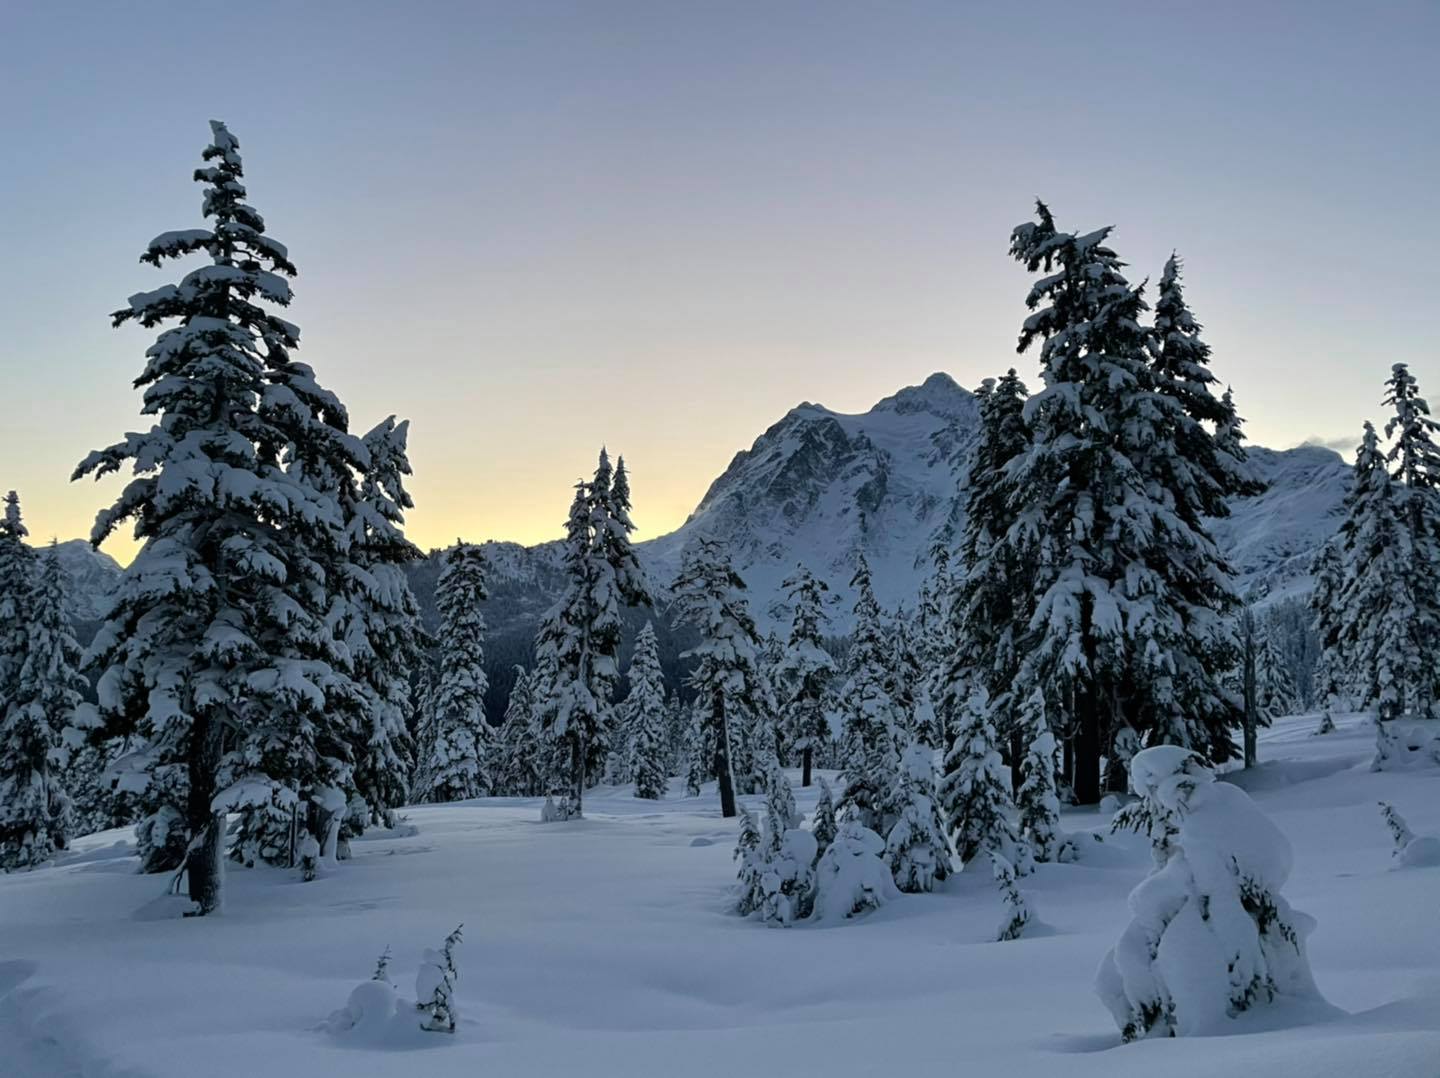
x=604, y=946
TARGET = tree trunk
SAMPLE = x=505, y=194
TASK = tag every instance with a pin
x=1087, y=746
x=202, y=863
x=805, y=757
x=722, y=757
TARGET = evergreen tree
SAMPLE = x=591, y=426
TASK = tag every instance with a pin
x=1107, y=625
x=870, y=729
x=1211, y=935
x=457, y=745
x=1375, y=600
x=1039, y=807
x=1415, y=462
x=823, y=824
x=1275, y=694
x=975, y=794
x=578, y=644
x=699, y=750
x=646, y=718
x=988, y=602
x=34, y=807
x=217, y=657
x=1198, y=463
x=749, y=895
x=729, y=687
x=381, y=624
x=17, y=580
x=517, y=751
x=916, y=848
x=804, y=671
x=435, y=986
x=781, y=815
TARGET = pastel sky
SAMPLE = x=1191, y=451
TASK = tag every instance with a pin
x=534, y=227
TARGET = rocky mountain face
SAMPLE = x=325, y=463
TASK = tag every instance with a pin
x=823, y=487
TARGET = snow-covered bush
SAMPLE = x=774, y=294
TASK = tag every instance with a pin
x=1211, y=936
x=435, y=986
x=309, y=857
x=787, y=882
x=1405, y=743
x=917, y=850
x=1411, y=851
x=852, y=876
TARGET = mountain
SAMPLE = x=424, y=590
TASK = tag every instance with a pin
x=822, y=487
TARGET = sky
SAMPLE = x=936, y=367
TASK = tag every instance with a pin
x=533, y=228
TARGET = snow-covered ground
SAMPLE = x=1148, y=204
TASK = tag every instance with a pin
x=603, y=947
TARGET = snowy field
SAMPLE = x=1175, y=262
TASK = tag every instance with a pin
x=604, y=947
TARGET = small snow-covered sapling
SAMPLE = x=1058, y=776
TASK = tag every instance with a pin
x=435, y=986
x=1017, y=913
x=382, y=967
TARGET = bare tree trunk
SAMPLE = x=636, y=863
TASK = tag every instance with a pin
x=805, y=757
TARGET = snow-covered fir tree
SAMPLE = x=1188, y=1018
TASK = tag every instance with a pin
x=217, y=657
x=1199, y=463
x=905, y=683
x=781, y=815
x=1095, y=501
x=1414, y=459
x=17, y=581
x=730, y=688
x=1275, y=692
x=788, y=883
x=698, y=748
x=1377, y=607
x=870, y=722
x=975, y=795
x=511, y=774
x=823, y=824
x=34, y=806
x=750, y=857
x=435, y=986
x=647, y=719
x=987, y=602
x=917, y=848
x=456, y=743
x=380, y=623
x=1211, y=935
x=578, y=645
x=1036, y=800
x=1017, y=912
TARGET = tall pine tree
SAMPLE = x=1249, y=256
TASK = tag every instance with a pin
x=730, y=688
x=869, y=736
x=456, y=742
x=804, y=671
x=578, y=645
x=647, y=719
x=216, y=657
